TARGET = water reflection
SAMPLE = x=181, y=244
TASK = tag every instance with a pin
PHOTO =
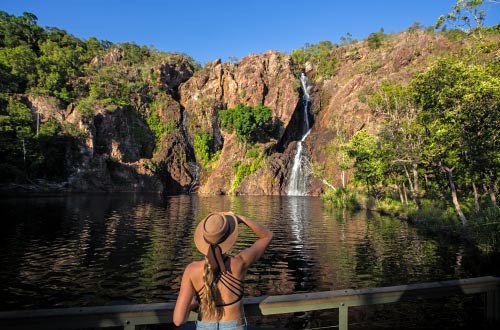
x=90, y=250
x=297, y=207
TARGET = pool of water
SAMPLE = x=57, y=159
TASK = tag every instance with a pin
x=104, y=249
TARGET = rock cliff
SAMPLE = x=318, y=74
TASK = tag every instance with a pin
x=265, y=79
x=120, y=148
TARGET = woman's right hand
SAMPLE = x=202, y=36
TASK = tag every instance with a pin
x=239, y=217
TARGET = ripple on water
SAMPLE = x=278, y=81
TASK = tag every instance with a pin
x=106, y=249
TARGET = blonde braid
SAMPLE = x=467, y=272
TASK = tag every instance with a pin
x=209, y=309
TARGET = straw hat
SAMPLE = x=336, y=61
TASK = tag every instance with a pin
x=219, y=228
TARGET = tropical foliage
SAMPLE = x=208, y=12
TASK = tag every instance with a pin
x=54, y=64
x=438, y=139
x=437, y=146
x=320, y=55
x=251, y=124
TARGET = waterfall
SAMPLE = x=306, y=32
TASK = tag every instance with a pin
x=297, y=185
x=184, y=119
x=194, y=168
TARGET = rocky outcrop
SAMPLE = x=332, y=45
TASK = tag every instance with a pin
x=265, y=79
x=44, y=107
x=172, y=74
x=112, y=157
x=112, y=57
x=340, y=102
x=118, y=150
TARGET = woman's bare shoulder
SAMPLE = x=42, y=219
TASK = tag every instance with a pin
x=237, y=263
x=194, y=271
x=195, y=266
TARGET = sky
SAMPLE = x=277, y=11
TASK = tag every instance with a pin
x=209, y=30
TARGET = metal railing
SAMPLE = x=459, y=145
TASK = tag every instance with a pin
x=129, y=316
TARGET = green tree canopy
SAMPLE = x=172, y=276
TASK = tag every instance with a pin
x=250, y=123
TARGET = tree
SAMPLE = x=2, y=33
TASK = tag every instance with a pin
x=375, y=39
x=460, y=112
x=337, y=149
x=58, y=66
x=15, y=140
x=347, y=39
x=467, y=16
x=18, y=31
x=368, y=161
x=18, y=64
x=400, y=134
x=320, y=54
x=250, y=123
x=203, y=147
x=435, y=92
x=480, y=116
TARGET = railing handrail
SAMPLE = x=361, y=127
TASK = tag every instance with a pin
x=130, y=315
x=379, y=295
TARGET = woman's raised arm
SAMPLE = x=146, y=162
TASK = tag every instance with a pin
x=256, y=250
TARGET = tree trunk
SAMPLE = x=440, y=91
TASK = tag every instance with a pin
x=416, y=192
x=401, y=197
x=476, y=197
x=454, y=196
x=408, y=178
x=405, y=194
x=493, y=198
x=411, y=183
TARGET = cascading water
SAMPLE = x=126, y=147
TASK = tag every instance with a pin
x=297, y=185
x=194, y=167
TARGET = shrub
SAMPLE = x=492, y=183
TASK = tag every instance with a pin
x=375, y=39
x=250, y=123
x=203, y=142
x=389, y=206
x=320, y=54
x=85, y=107
x=157, y=124
x=242, y=171
x=340, y=198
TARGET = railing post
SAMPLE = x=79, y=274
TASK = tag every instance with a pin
x=343, y=316
x=493, y=307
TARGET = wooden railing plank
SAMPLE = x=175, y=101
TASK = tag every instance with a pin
x=358, y=297
x=127, y=316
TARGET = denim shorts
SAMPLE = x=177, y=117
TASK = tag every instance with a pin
x=222, y=325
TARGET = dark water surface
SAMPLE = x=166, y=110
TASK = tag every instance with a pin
x=103, y=249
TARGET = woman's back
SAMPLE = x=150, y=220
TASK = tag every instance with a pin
x=217, y=281
x=230, y=288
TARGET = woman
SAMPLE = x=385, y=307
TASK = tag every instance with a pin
x=216, y=283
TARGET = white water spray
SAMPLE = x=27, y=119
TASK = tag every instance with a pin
x=297, y=185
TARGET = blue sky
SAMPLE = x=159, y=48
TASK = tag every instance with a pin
x=207, y=30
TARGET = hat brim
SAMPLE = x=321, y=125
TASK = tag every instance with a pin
x=227, y=244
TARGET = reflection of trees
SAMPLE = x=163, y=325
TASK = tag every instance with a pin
x=363, y=250
x=171, y=228
x=366, y=260
x=99, y=249
x=392, y=253
x=272, y=274
x=334, y=251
